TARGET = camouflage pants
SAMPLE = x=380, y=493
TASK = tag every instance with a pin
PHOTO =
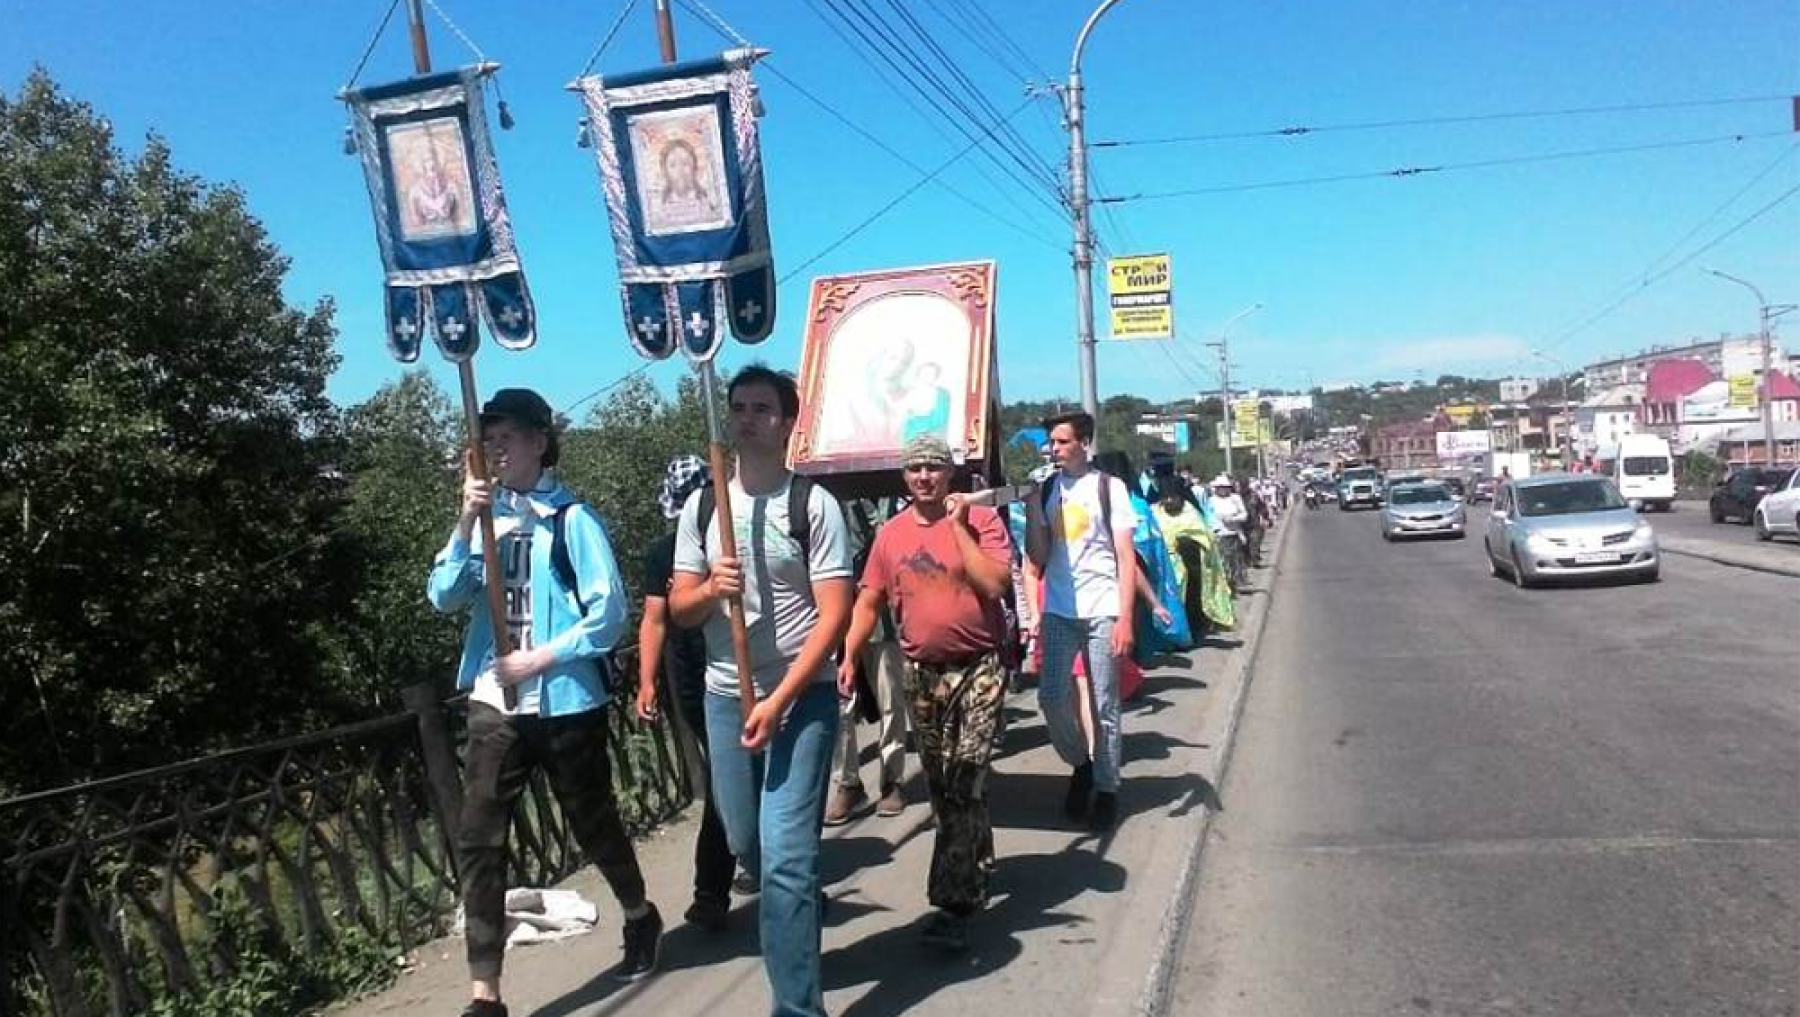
x=955, y=711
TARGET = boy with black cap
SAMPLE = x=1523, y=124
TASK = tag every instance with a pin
x=542, y=704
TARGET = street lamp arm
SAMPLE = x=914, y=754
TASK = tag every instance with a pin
x=1081, y=40
x=1747, y=284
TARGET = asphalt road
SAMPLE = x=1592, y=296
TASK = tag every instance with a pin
x=1451, y=796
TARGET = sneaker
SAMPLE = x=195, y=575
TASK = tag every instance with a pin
x=946, y=931
x=709, y=911
x=643, y=946
x=1081, y=785
x=485, y=1008
x=844, y=803
x=745, y=884
x=892, y=802
x=1104, y=813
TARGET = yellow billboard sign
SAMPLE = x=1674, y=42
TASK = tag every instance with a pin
x=1141, y=293
x=1743, y=392
x=1244, y=427
x=1461, y=414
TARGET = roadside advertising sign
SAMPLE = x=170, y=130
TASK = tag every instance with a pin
x=1140, y=291
x=1743, y=392
x=1243, y=421
x=1461, y=444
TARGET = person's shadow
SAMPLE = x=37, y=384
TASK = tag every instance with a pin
x=1028, y=893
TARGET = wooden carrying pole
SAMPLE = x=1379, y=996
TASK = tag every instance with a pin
x=717, y=457
x=471, y=406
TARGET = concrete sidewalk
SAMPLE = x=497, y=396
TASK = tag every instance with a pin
x=1079, y=924
x=1775, y=558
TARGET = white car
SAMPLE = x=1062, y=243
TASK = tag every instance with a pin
x=1779, y=511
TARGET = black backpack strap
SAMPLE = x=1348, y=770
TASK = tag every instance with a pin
x=560, y=563
x=799, y=522
x=1044, y=491
x=800, y=517
x=703, y=518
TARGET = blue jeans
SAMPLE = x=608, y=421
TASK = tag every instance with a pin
x=773, y=805
x=1091, y=639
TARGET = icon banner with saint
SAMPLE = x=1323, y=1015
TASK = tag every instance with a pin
x=440, y=215
x=681, y=170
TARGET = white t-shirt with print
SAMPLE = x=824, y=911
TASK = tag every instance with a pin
x=512, y=538
x=1081, y=577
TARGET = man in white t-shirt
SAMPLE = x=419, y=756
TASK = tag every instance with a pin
x=1078, y=529
x=769, y=768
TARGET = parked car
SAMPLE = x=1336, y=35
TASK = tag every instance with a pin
x=1561, y=525
x=1737, y=496
x=1779, y=511
x=1421, y=509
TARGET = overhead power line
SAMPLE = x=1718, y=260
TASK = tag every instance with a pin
x=1690, y=258
x=901, y=157
x=897, y=199
x=1417, y=171
x=1383, y=125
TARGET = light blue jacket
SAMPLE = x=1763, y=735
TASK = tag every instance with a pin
x=573, y=684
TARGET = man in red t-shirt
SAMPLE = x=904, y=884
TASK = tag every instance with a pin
x=942, y=566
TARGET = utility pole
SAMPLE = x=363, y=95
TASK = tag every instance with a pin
x=1766, y=315
x=1078, y=205
x=1224, y=348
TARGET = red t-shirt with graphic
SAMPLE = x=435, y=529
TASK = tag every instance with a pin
x=917, y=564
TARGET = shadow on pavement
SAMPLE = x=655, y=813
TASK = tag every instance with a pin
x=1029, y=890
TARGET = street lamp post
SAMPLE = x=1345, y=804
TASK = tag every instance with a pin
x=1765, y=314
x=1566, y=446
x=1078, y=202
x=1224, y=348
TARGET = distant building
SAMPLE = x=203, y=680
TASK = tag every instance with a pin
x=1411, y=445
x=1606, y=416
x=1517, y=390
x=1724, y=357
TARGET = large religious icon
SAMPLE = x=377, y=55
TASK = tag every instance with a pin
x=892, y=355
x=681, y=183
x=434, y=190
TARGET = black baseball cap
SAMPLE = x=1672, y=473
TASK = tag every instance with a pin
x=521, y=406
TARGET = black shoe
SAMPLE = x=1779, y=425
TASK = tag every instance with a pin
x=1104, y=813
x=485, y=1008
x=1081, y=785
x=709, y=911
x=643, y=946
x=745, y=884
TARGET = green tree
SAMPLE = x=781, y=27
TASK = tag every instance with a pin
x=617, y=459
x=403, y=461
x=163, y=432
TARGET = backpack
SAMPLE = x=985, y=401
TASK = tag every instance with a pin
x=799, y=523
x=611, y=676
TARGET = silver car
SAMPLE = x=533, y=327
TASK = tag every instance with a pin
x=1561, y=525
x=1420, y=509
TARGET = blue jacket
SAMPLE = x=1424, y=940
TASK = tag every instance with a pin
x=573, y=684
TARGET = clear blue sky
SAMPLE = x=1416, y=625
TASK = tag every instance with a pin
x=1455, y=272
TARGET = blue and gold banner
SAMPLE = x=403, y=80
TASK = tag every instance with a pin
x=440, y=215
x=681, y=169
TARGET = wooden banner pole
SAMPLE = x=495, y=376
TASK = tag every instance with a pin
x=718, y=457
x=471, y=407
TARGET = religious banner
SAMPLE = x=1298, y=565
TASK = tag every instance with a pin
x=681, y=170
x=892, y=355
x=440, y=216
